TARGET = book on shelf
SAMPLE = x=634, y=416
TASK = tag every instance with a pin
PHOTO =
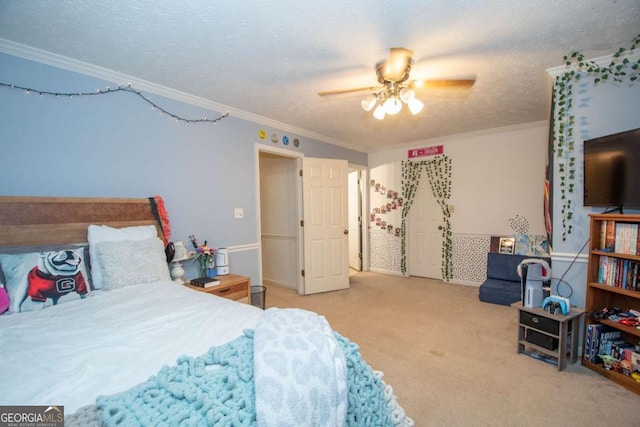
x=618, y=246
x=603, y=234
x=610, y=239
x=633, y=239
x=613, y=272
x=603, y=269
x=619, y=237
x=626, y=238
x=204, y=282
x=619, y=273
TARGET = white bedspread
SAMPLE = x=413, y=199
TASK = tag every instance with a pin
x=71, y=353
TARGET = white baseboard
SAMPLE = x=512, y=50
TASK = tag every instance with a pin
x=383, y=271
x=465, y=283
x=278, y=283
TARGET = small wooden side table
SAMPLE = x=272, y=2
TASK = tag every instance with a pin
x=232, y=286
x=537, y=327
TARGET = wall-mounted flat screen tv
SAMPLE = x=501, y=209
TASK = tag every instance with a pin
x=612, y=170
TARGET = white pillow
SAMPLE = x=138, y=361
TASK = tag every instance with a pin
x=102, y=233
x=131, y=262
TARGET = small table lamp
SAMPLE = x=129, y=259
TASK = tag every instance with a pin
x=181, y=255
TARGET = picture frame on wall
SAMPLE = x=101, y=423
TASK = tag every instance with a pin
x=507, y=245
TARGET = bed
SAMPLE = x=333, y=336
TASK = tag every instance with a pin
x=115, y=342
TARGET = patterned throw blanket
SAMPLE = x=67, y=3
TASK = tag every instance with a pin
x=292, y=370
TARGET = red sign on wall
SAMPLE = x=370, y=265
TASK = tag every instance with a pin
x=425, y=151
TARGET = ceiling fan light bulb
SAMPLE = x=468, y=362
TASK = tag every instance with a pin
x=407, y=95
x=415, y=106
x=379, y=113
x=368, y=103
x=392, y=106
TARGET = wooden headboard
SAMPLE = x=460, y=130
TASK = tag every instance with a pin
x=35, y=221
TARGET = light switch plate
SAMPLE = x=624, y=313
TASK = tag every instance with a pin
x=238, y=213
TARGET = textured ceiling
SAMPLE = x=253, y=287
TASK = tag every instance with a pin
x=270, y=58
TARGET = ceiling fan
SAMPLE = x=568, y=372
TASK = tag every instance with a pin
x=395, y=87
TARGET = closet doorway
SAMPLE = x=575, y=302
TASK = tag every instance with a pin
x=280, y=235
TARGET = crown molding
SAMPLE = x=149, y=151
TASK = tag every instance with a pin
x=70, y=64
x=490, y=131
x=602, y=61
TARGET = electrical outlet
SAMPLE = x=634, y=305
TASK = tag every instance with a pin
x=238, y=213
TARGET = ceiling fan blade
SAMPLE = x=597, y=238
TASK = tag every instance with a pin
x=340, y=91
x=396, y=67
x=443, y=83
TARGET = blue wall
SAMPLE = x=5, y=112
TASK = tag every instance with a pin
x=599, y=110
x=116, y=145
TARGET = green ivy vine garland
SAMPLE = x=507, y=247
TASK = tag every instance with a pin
x=438, y=172
x=619, y=70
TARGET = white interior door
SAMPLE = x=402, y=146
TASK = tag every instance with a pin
x=355, y=221
x=326, y=245
x=425, y=234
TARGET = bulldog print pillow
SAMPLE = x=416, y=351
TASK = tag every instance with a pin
x=38, y=280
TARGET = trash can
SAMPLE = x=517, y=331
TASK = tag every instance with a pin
x=258, y=296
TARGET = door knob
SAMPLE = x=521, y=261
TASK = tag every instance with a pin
x=346, y=231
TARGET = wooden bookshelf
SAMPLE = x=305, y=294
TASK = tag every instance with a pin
x=611, y=284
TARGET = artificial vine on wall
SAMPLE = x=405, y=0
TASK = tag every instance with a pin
x=438, y=172
x=621, y=69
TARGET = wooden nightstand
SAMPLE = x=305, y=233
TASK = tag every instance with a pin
x=232, y=286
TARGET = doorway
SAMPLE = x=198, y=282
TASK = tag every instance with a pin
x=355, y=219
x=280, y=239
x=280, y=200
x=425, y=234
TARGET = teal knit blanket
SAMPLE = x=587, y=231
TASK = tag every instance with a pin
x=217, y=389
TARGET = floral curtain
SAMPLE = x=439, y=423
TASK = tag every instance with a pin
x=438, y=172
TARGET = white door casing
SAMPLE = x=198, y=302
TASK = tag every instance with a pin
x=425, y=234
x=325, y=213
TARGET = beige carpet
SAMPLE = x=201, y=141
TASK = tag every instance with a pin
x=452, y=359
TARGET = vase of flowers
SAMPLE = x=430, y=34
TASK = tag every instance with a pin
x=205, y=257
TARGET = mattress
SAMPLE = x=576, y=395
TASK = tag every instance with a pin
x=71, y=353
